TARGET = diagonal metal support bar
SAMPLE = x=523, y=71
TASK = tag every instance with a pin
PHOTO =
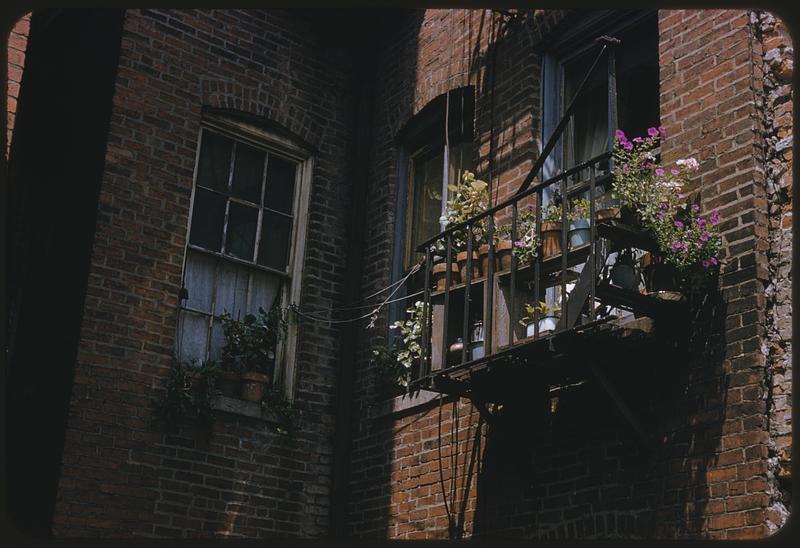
x=551, y=143
x=583, y=288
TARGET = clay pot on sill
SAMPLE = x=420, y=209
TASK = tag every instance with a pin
x=440, y=275
x=253, y=385
x=230, y=384
x=502, y=256
x=461, y=259
x=551, y=239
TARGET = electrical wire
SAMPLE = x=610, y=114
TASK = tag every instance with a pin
x=373, y=314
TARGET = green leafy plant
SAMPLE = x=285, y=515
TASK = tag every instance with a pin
x=526, y=247
x=579, y=209
x=543, y=310
x=552, y=211
x=276, y=401
x=250, y=344
x=470, y=198
x=409, y=352
x=188, y=392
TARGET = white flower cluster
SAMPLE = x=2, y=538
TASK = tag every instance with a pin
x=690, y=163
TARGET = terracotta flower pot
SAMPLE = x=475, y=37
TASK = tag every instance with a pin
x=440, y=278
x=461, y=259
x=502, y=252
x=230, y=384
x=551, y=239
x=253, y=385
x=499, y=248
x=608, y=213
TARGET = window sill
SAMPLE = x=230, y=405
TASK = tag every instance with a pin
x=245, y=408
x=407, y=404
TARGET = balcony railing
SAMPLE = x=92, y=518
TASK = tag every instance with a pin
x=489, y=295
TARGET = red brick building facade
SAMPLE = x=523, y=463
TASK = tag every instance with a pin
x=350, y=109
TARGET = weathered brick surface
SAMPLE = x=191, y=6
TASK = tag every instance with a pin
x=580, y=472
x=17, y=44
x=120, y=476
x=583, y=474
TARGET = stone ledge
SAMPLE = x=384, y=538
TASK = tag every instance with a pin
x=406, y=404
x=244, y=408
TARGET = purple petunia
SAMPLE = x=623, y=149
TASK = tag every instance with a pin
x=701, y=222
x=713, y=261
x=704, y=236
x=627, y=145
x=706, y=263
x=519, y=244
x=638, y=140
x=676, y=245
x=662, y=131
x=659, y=172
x=660, y=216
x=652, y=132
x=695, y=207
x=674, y=171
x=663, y=205
x=619, y=134
x=678, y=224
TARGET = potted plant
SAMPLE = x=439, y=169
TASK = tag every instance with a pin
x=470, y=198
x=551, y=229
x=548, y=318
x=687, y=240
x=399, y=362
x=440, y=274
x=250, y=347
x=579, y=226
x=623, y=272
x=526, y=246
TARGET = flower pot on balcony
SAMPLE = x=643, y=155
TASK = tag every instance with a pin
x=440, y=275
x=461, y=259
x=608, y=213
x=546, y=325
x=253, y=385
x=623, y=274
x=580, y=233
x=502, y=252
x=551, y=239
x=483, y=252
x=230, y=384
x=658, y=275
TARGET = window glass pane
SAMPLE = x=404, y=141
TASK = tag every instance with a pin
x=248, y=172
x=241, y=236
x=199, y=280
x=427, y=199
x=217, y=340
x=193, y=336
x=215, y=161
x=279, y=194
x=264, y=291
x=589, y=135
x=637, y=79
x=231, y=292
x=208, y=217
x=273, y=251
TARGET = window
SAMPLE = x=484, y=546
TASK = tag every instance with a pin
x=567, y=63
x=421, y=198
x=242, y=251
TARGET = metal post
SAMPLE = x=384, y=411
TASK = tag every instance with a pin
x=488, y=313
x=467, y=288
x=447, y=283
x=564, y=243
x=425, y=366
x=593, y=239
x=512, y=308
x=537, y=266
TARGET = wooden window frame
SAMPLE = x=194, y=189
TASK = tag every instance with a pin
x=281, y=146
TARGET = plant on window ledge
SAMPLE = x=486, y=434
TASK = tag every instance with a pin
x=188, y=392
x=526, y=247
x=250, y=346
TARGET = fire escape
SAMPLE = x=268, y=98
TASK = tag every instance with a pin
x=473, y=344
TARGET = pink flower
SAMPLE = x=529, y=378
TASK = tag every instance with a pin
x=619, y=134
x=678, y=224
x=695, y=207
x=659, y=171
x=662, y=131
x=627, y=145
x=652, y=132
x=638, y=140
x=676, y=245
x=713, y=261
x=706, y=263
x=674, y=171
x=663, y=205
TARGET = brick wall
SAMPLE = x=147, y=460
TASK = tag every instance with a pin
x=120, y=475
x=17, y=44
x=580, y=472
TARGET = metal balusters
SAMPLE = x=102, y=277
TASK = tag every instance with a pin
x=488, y=313
x=593, y=240
x=564, y=244
x=512, y=306
x=446, y=312
x=425, y=367
x=467, y=288
x=537, y=267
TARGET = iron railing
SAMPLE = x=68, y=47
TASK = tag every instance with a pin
x=478, y=292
